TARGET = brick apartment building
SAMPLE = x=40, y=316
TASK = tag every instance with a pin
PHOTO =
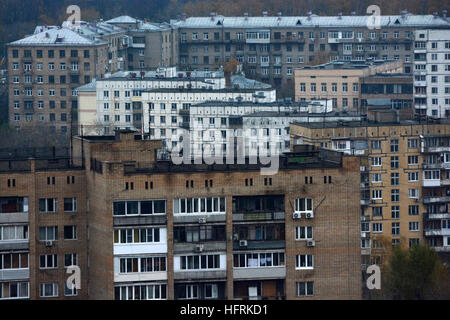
x=404, y=178
x=154, y=230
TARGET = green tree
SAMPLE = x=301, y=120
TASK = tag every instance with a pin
x=415, y=274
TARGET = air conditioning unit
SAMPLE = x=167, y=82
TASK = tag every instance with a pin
x=242, y=243
x=48, y=243
x=199, y=248
x=416, y=200
x=310, y=243
x=296, y=215
x=201, y=220
x=309, y=215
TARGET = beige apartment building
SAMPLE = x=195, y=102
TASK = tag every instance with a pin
x=342, y=82
x=44, y=71
x=404, y=179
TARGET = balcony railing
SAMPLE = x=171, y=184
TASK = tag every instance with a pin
x=258, y=216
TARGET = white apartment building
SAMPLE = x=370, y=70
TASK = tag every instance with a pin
x=261, y=127
x=158, y=103
x=432, y=72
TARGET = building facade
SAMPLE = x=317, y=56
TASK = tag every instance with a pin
x=271, y=48
x=44, y=71
x=403, y=179
x=177, y=232
x=348, y=84
x=432, y=73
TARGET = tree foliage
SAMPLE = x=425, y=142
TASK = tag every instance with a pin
x=415, y=274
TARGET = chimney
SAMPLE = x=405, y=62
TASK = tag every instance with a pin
x=435, y=15
x=246, y=15
x=309, y=15
x=178, y=17
x=444, y=14
x=264, y=13
x=404, y=13
x=212, y=15
x=279, y=16
x=183, y=16
x=340, y=15
x=353, y=13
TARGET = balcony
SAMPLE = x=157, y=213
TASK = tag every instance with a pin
x=435, y=199
x=437, y=216
x=14, y=274
x=195, y=218
x=140, y=276
x=140, y=220
x=436, y=149
x=138, y=45
x=437, y=232
x=260, y=245
x=431, y=183
x=259, y=273
x=200, y=275
x=442, y=249
x=206, y=247
x=258, y=216
x=439, y=165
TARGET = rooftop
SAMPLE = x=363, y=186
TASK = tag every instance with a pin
x=122, y=20
x=57, y=37
x=348, y=65
x=407, y=20
x=366, y=123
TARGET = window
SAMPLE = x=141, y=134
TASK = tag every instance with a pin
x=141, y=292
x=413, y=160
x=413, y=210
x=70, y=259
x=199, y=205
x=377, y=211
x=394, y=145
x=142, y=264
x=145, y=207
x=413, y=176
x=305, y=289
x=303, y=233
x=413, y=226
x=70, y=204
x=48, y=233
x=70, y=232
x=48, y=290
x=304, y=205
x=70, y=292
x=304, y=261
x=377, y=227
x=376, y=178
x=377, y=194
x=395, y=212
x=142, y=235
x=376, y=161
x=395, y=228
x=200, y=262
x=13, y=261
x=48, y=205
x=258, y=260
x=48, y=261
x=413, y=193
x=395, y=179
x=395, y=195
x=8, y=233
x=394, y=162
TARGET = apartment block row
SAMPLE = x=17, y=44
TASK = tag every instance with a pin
x=161, y=231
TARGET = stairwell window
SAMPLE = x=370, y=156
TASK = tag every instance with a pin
x=303, y=233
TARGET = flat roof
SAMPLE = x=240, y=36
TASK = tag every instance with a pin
x=366, y=123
